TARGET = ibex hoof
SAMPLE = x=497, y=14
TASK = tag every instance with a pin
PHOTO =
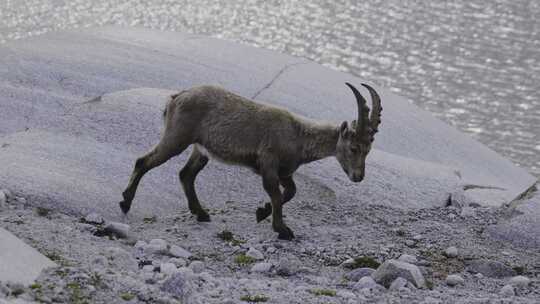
x=125, y=206
x=263, y=212
x=203, y=217
x=286, y=234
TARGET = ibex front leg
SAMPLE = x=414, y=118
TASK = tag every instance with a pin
x=195, y=164
x=289, y=190
x=271, y=185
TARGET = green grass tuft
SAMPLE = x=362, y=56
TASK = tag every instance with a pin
x=364, y=261
x=126, y=296
x=254, y=298
x=243, y=260
x=323, y=292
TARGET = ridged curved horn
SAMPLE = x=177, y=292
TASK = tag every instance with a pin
x=363, y=111
x=375, y=119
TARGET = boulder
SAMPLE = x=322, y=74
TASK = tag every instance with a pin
x=490, y=268
x=393, y=269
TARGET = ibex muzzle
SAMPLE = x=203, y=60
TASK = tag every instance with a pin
x=271, y=141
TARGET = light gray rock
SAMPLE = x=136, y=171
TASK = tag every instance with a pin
x=119, y=230
x=490, y=268
x=254, y=253
x=393, y=269
x=261, y=267
x=519, y=281
x=177, y=285
x=522, y=229
x=156, y=246
x=179, y=252
x=8, y=194
x=398, y=284
x=286, y=267
x=358, y=273
x=451, y=252
x=168, y=268
x=347, y=263
x=94, y=218
x=407, y=258
x=179, y=262
x=454, y=279
x=19, y=262
x=467, y=212
x=365, y=282
x=508, y=291
x=3, y=199
x=197, y=266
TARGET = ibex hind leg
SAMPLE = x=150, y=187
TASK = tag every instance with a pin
x=197, y=161
x=157, y=156
x=289, y=190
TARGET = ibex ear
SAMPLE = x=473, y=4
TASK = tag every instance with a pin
x=344, y=130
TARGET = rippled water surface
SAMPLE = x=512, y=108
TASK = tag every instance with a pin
x=474, y=64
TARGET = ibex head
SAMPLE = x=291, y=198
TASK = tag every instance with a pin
x=354, y=141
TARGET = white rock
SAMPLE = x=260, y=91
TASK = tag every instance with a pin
x=393, y=269
x=454, y=279
x=94, y=218
x=168, y=268
x=119, y=230
x=398, y=284
x=261, y=267
x=407, y=258
x=8, y=194
x=348, y=262
x=345, y=294
x=519, y=281
x=196, y=266
x=365, y=282
x=508, y=291
x=271, y=249
x=254, y=253
x=148, y=268
x=451, y=252
x=3, y=199
x=179, y=252
x=467, y=212
x=479, y=276
x=156, y=246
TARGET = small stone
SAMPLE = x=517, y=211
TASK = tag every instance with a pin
x=358, y=273
x=451, y=252
x=168, y=268
x=179, y=252
x=254, y=253
x=348, y=263
x=365, y=282
x=271, y=249
x=454, y=279
x=393, y=269
x=520, y=281
x=467, y=212
x=407, y=258
x=94, y=218
x=156, y=246
x=8, y=194
x=345, y=294
x=261, y=267
x=148, y=268
x=479, y=276
x=177, y=285
x=508, y=291
x=286, y=268
x=3, y=199
x=196, y=266
x=489, y=268
x=179, y=262
x=118, y=230
x=410, y=243
x=398, y=284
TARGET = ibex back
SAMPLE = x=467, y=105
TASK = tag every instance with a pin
x=271, y=141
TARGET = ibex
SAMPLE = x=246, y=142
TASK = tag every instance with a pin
x=271, y=141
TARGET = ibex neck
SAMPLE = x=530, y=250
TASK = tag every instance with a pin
x=319, y=142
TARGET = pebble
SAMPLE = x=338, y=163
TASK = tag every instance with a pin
x=94, y=218
x=254, y=253
x=271, y=249
x=148, y=268
x=519, y=281
x=451, y=252
x=467, y=212
x=179, y=252
x=197, y=266
x=119, y=230
x=508, y=291
x=358, y=273
x=168, y=268
x=398, y=284
x=410, y=243
x=454, y=279
x=348, y=263
x=407, y=258
x=261, y=267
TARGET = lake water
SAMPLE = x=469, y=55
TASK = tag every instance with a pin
x=473, y=64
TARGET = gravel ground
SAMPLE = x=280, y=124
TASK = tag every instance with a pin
x=217, y=263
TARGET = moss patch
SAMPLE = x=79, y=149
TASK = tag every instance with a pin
x=126, y=296
x=323, y=292
x=364, y=262
x=243, y=260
